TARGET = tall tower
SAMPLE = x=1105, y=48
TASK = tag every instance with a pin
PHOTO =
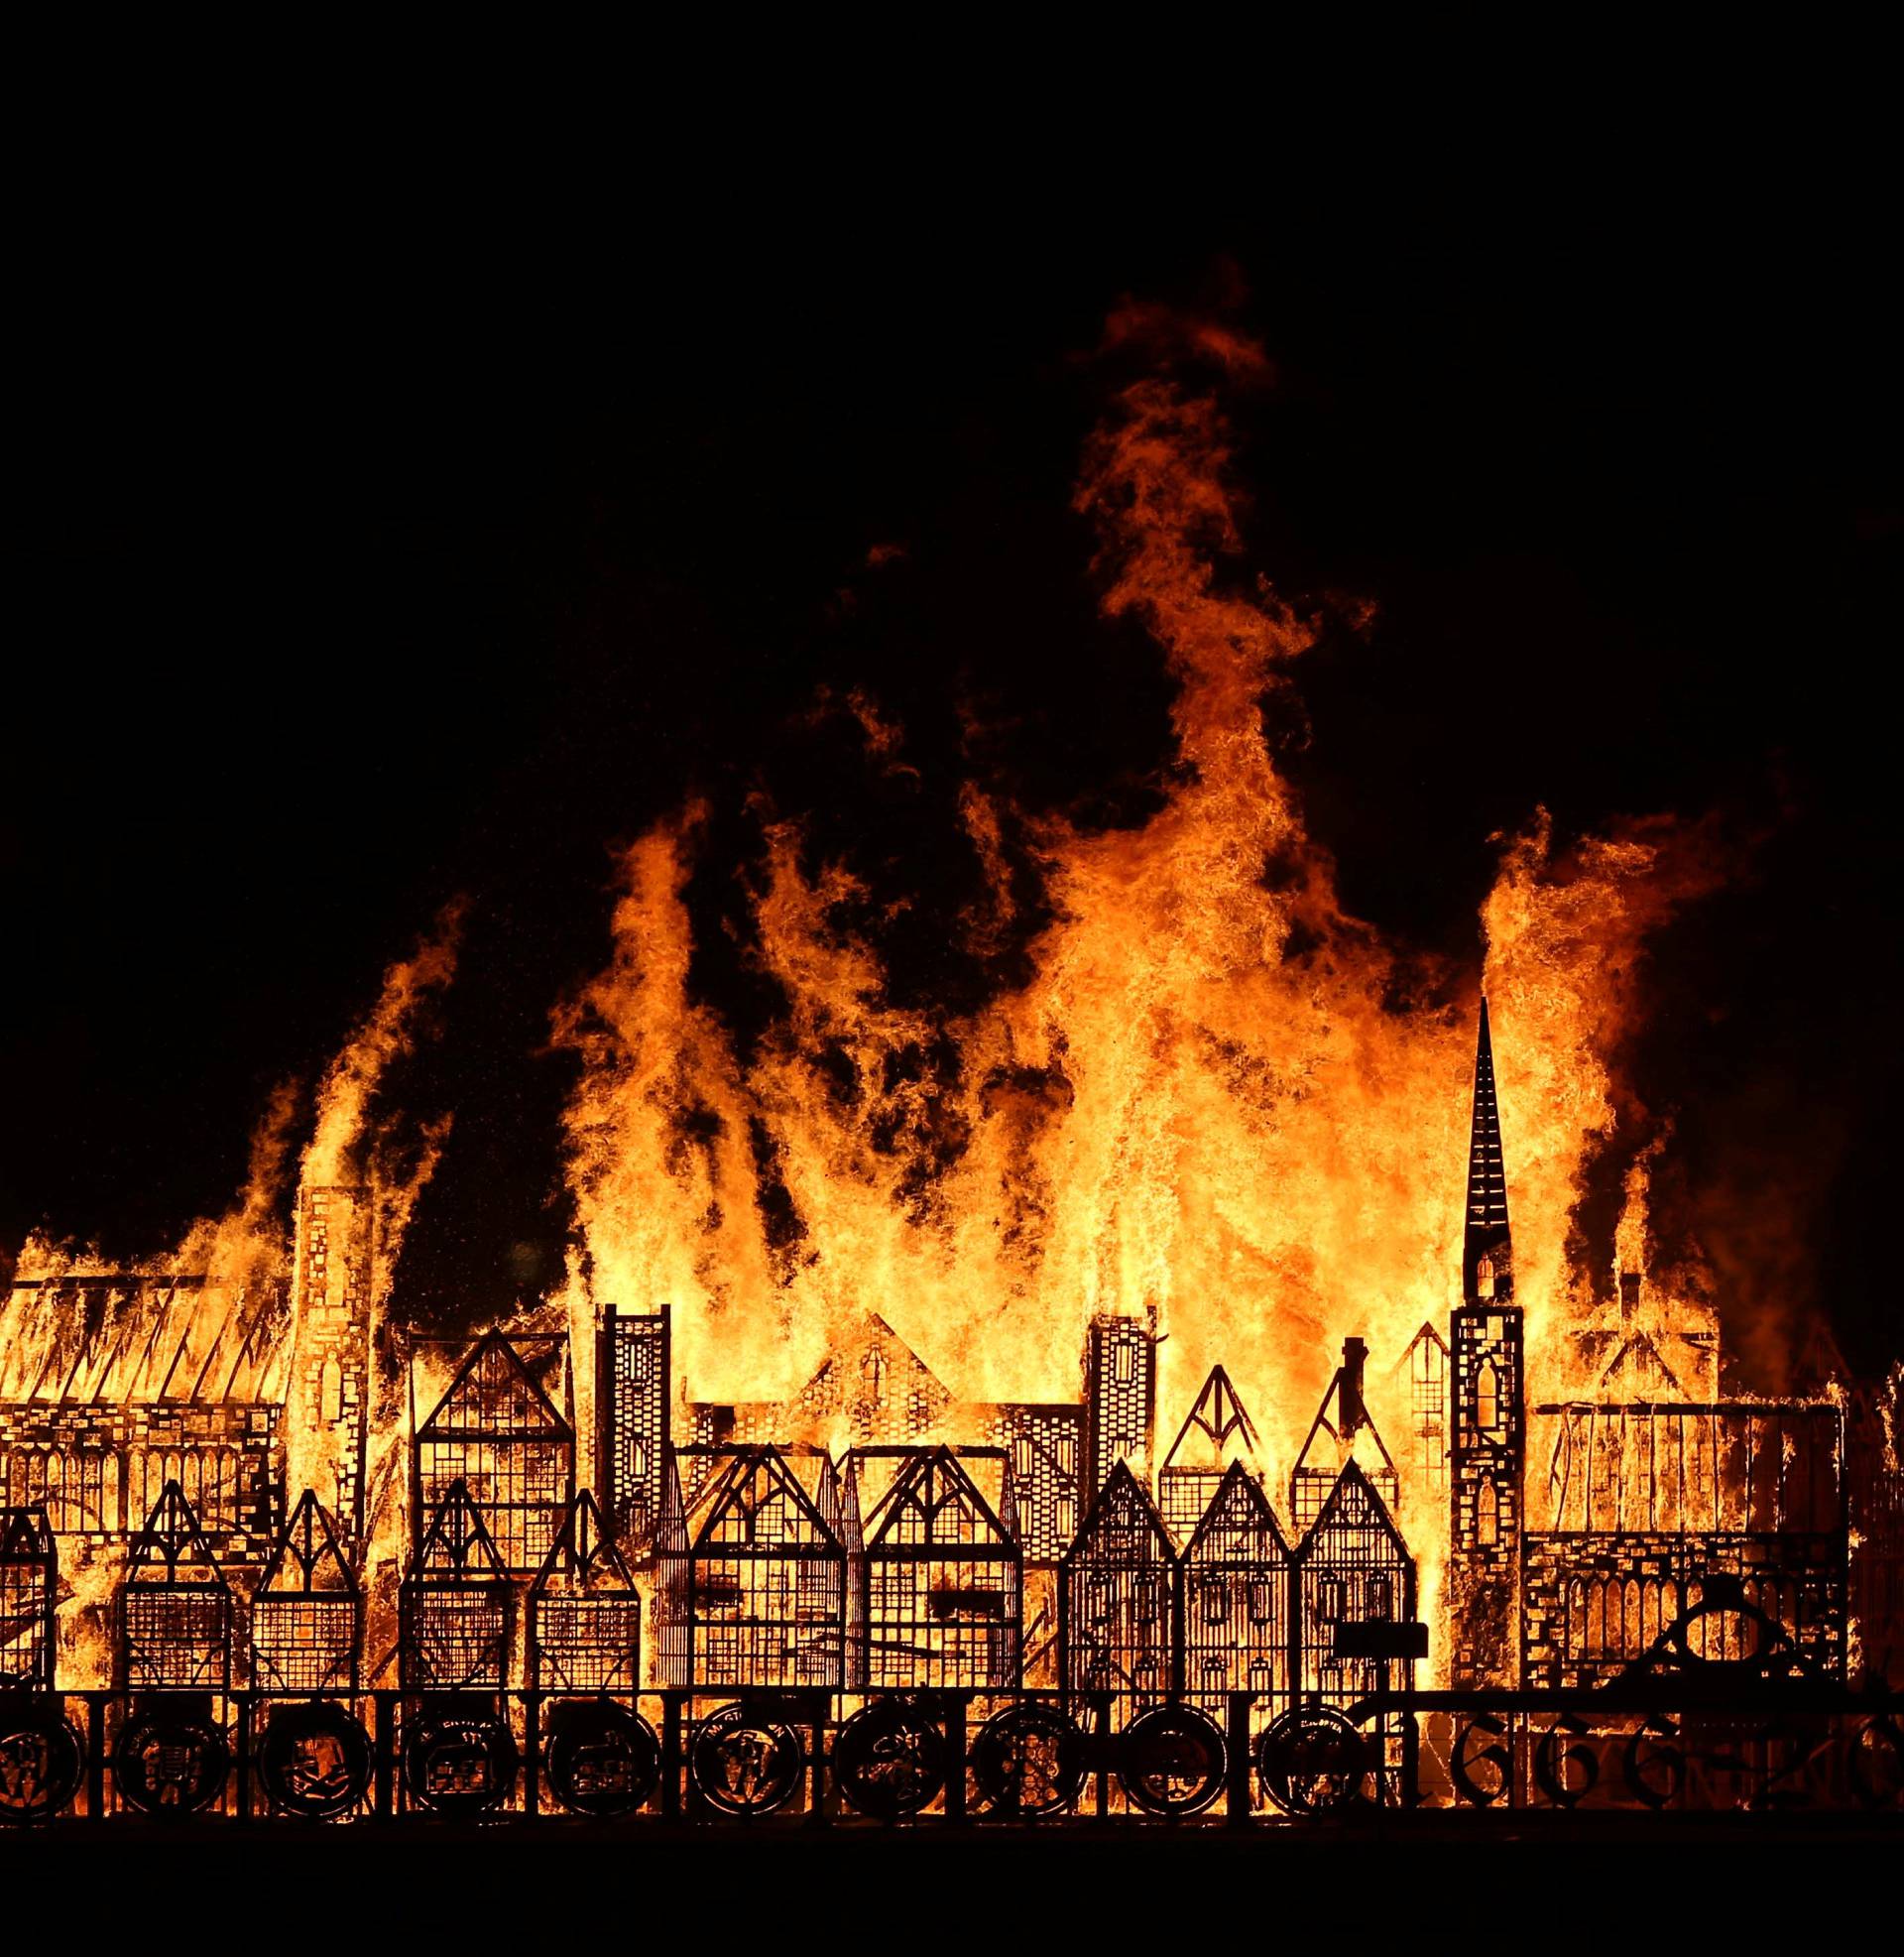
x=1487, y=1436
x=1120, y=1398
x=330, y=1384
x=632, y=1406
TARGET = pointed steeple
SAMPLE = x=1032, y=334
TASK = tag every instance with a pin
x=1488, y=1249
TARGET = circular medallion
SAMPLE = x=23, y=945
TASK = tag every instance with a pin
x=459, y=1764
x=40, y=1759
x=600, y=1757
x=889, y=1759
x=1172, y=1760
x=314, y=1760
x=744, y=1761
x=169, y=1763
x=1312, y=1761
x=1028, y=1761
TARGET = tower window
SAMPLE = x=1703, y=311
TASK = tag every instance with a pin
x=1484, y=1278
x=1487, y=1399
x=1486, y=1517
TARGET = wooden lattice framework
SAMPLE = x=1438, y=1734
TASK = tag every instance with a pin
x=750, y=1579
x=1216, y=1434
x=584, y=1611
x=174, y=1606
x=454, y=1606
x=499, y=1434
x=29, y=1589
x=1341, y=1433
x=1352, y=1567
x=1234, y=1585
x=1116, y=1597
x=307, y=1620
x=940, y=1579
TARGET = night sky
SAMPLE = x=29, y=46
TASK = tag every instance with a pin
x=371, y=562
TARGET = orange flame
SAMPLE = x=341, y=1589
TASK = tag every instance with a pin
x=1218, y=1095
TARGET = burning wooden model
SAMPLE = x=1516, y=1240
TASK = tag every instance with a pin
x=955, y=1604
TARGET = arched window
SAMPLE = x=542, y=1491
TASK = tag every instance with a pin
x=1484, y=1278
x=330, y=1391
x=1486, y=1517
x=1487, y=1398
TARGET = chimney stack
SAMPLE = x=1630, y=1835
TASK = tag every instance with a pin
x=1350, y=1411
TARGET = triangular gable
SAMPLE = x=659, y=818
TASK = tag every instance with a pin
x=934, y=1503
x=583, y=1556
x=1639, y=1363
x=1323, y=1424
x=1354, y=1506
x=1239, y=1526
x=758, y=1501
x=307, y=1559
x=1216, y=1430
x=456, y=1549
x=872, y=1370
x=495, y=1396
x=24, y=1536
x=1427, y=1335
x=172, y=1548
x=1123, y=1509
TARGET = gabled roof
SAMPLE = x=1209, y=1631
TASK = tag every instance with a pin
x=1322, y=1423
x=171, y=1548
x=307, y=1558
x=869, y=1369
x=1122, y=1505
x=456, y=1549
x=1216, y=1430
x=1428, y=1335
x=24, y=1536
x=1352, y=1504
x=495, y=1396
x=934, y=1503
x=583, y=1556
x=757, y=1502
x=1239, y=1526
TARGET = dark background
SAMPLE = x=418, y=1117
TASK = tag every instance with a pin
x=376, y=550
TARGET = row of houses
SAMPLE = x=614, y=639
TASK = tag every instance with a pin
x=766, y=1578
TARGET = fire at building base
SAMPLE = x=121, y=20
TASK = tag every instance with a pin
x=1648, y=1597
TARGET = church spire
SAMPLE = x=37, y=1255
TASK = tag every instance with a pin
x=1488, y=1250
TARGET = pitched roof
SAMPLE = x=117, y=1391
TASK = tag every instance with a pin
x=456, y=1547
x=307, y=1560
x=934, y=1503
x=1121, y=1506
x=124, y=1338
x=1239, y=1526
x=495, y=1396
x=1353, y=1504
x=583, y=1556
x=758, y=1501
x=1217, y=1428
x=172, y=1548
